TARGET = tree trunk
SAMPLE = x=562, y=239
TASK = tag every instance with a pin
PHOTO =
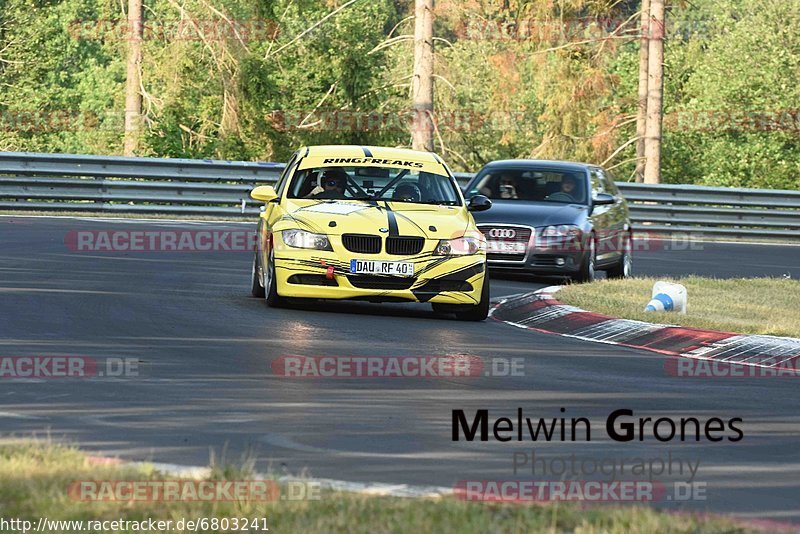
x=655, y=89
x=133, y=95
x=641, y=113
x=422, y=83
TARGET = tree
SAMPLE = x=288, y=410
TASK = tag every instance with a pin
x=422, y=83
x=641, y=112
x=655, y=89
x=133, y=95
x=731, y=113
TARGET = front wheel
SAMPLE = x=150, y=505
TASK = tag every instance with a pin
x=257, y=279
x=624, y=266
x=480, y=311
x=271, y=283
x=587, y=271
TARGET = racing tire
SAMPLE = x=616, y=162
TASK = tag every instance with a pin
x=271, y=283
x=587, y=272
x=257, y=282
x=480, y=311
x=624, y=266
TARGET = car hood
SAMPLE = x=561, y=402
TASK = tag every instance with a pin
x=532, y=213
x=336, y=217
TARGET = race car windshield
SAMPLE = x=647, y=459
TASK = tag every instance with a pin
x=538, y=185
x=374, y=183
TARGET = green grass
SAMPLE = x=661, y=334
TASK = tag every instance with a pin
x=745, y=305
x=34, y=477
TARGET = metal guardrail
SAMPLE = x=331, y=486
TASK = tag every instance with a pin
x=714, y=211
x=77, y=183
x=65, y=182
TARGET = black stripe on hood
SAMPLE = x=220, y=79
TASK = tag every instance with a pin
x=394, y=231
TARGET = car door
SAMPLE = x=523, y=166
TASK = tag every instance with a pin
x=617, y=215
x=601, y=218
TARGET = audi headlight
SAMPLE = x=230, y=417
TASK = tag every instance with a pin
x=561, y=230
x=303, y=239
x=460, y=247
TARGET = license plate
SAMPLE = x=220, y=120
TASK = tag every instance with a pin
x=513, y=247
x=389, y=268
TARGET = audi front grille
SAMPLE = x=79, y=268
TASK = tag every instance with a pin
x=506, y=243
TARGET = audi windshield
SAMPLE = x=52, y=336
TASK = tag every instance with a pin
x=537, y=185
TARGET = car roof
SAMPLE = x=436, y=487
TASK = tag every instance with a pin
x=553, y=164
x=380, y=152
x=359, y=155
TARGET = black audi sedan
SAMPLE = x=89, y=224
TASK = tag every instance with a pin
x=553, y=218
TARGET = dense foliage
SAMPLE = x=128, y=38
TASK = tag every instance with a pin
x=514, y=79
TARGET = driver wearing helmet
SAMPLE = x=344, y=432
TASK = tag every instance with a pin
x=407, y=192
x=331, y=185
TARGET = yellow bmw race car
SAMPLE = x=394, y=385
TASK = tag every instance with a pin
x=371, y=223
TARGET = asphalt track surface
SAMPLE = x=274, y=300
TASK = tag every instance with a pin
x=208, y=384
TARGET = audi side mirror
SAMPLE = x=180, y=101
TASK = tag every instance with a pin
x=603, y=199
x=479, y=203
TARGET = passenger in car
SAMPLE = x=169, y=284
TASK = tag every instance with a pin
x=505, y=187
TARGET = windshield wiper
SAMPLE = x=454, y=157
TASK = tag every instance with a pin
x=427, y=203
x=439, y=203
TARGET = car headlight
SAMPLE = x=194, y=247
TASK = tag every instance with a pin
x=303, y=239
x=460, y=247
x=561, y=230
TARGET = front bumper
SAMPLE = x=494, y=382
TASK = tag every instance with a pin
x=303, y=273
x=546, y=262
x=551, y=256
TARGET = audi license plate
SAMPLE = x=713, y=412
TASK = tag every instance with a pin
x=390, y=268
x=508, y=247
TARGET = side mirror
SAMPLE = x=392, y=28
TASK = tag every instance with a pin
x=265, y=193
x=603, y=199
x=479, y=203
